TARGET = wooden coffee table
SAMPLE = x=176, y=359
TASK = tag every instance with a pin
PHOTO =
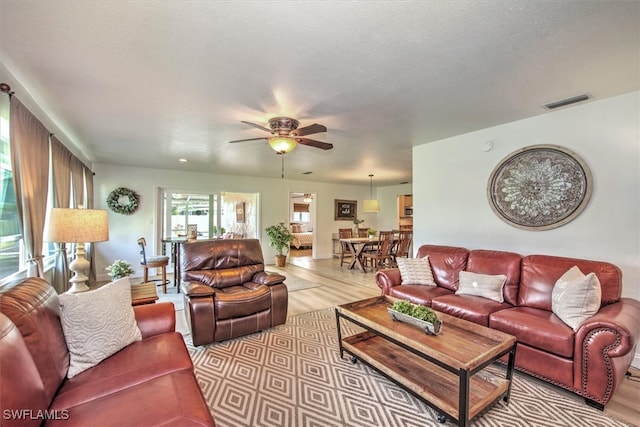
x=446, y=371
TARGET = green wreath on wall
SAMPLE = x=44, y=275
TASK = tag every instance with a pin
x=123, y=201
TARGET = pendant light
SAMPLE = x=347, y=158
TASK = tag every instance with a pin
x=371, y=205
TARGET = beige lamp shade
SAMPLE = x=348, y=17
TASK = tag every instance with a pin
x=282, y=145
x=76, y=226
x=371, y=205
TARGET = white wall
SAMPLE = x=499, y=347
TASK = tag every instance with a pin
x=274, y=207
x=450, y=187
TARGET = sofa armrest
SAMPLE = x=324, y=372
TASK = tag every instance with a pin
x=388, y=278
x=268, y=278
x=197, y=289
x=604, y=348
x=155, y=319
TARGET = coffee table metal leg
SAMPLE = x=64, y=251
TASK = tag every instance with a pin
x=510, y=367
x=463, y=407
x=339, y=333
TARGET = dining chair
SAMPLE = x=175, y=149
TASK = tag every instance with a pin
x=381, y=256
x=401, y=248
x=363, y=232
x=345, y=249
x=156, y=261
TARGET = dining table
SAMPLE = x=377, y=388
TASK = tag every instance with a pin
x=175, y=243
x=357, y=245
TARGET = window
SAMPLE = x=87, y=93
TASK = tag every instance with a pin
x=212, y=215
x=11, y=253
x=190, y=211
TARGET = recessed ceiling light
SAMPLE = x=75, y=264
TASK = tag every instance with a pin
x=182, y=160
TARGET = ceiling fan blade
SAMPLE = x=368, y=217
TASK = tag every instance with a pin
x=308, y=130
x=256, y=126
x=314, y=143
x=249, y=139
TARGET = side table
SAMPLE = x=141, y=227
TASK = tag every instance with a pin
x=144, y=293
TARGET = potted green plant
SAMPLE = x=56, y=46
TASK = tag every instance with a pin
x=356, y=224
x=279, y=238
x=417, y=315
x=119, y=269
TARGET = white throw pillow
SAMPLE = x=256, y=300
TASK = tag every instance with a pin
x=416, y=271
x=576, y=297
x=482, y=285
x=97, y=324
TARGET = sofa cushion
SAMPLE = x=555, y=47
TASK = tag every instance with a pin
x=498, y=262
x=535, y=327
x=482, y=285
x=576, y=297
x=32, y=305
x=240, y=301
x=415, y=271
x=446, y=263
x=97, y=324
x=221, y=263
x=21, y=387
x=138, y=362
x=422, y=295
x=469, y=307
x=540, y=273
x=173, y=399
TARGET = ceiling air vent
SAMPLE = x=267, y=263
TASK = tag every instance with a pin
x=565, y=102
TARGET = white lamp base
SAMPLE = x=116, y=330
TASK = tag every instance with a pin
x=79, y=265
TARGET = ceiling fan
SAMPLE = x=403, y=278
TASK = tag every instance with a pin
x=286, y=135
x=306, y=197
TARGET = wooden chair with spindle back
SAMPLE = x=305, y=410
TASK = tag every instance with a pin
x=156, y=261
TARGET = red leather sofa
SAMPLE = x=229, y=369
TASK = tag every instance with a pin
x=591, y=361
x=149, y=382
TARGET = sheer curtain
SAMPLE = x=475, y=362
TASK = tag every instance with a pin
x=29, y=141
x=61, y=171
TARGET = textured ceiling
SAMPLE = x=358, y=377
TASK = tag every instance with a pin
x=147, y=82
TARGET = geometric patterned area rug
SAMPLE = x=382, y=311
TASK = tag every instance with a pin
x=292, y=376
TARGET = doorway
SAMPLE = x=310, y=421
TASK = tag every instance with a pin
x=302, y=224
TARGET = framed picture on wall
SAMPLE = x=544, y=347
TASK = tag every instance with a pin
x=345, y=210
x=240, y=212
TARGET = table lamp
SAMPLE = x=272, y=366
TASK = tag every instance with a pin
x=77, y=226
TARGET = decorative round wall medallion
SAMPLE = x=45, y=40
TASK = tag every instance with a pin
x=539, y=187
x=123, y=201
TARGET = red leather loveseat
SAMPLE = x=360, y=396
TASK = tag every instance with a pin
x=591, y=361
x=149, y=382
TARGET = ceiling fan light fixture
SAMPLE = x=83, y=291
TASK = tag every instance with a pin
x=282, y=144
x=371, y=205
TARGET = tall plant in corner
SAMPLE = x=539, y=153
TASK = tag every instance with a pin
x=279, y=238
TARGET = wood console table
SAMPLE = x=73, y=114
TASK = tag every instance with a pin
x=446, y=371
